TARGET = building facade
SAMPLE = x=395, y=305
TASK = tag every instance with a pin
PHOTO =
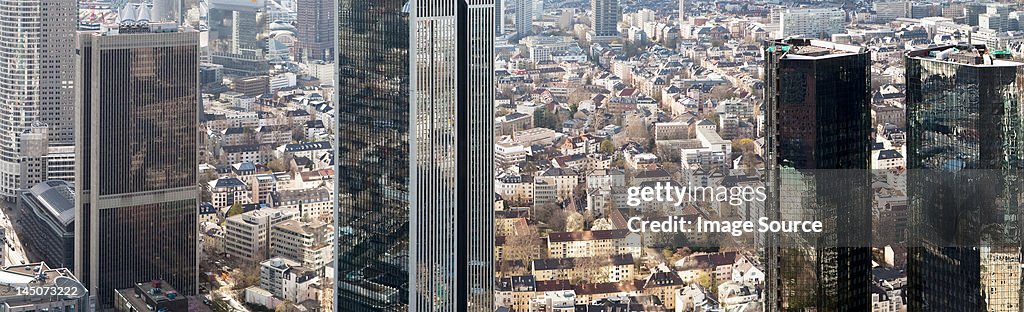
x=138, y=93
x=37, y=70
x=411, y=234
x=314, y=24
x=963, y=183
x=607, y=15
x=813, y=23
x=818, y=130
x=524, y=17
x=49, y=228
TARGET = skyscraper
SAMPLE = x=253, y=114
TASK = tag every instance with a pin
x=607, y=15
x=817, y=23
x=818, y=143
x=964, y=123
x=414, y=136
x=38, y=36
x=314, y=29
x=233, y=25
x=499, y=17
x=682, y=11
x=137, y=92
x=524, y=17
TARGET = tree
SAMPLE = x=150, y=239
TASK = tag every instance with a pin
x=277, y=165
x=607, y=146
x=636, y=128
x=706, y=280
x=286, y=306
x=589, y=270
x=236, y=209
x=574, y=221
x=298, y=135
x=523, y=246
x=722, y=92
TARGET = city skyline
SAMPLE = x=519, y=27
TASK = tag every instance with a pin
x=511, y=155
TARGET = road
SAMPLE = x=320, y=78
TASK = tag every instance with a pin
x=15, y=251
x=226, y=293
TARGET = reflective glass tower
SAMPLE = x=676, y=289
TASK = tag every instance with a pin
x=818, y=136
x=964, y=183
x=415, y=90
x=136, y=217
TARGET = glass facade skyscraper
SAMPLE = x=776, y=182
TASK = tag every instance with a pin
x=964, y=183
x=136, y=215
x=818, y=129
x=415, y=97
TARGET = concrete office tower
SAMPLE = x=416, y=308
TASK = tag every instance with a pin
x=682, y=12
x=964, y=180
x=36, y=66
x=315, y=29
x=499, y=17
x=167, y=11
x=811, y=23
x=887, y=11
x=414, y=159
x=233, y=25
x=137, y=93
x=818, y=143
x=607, y=15
x=524, y=17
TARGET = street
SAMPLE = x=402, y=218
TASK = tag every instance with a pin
x=13, y=247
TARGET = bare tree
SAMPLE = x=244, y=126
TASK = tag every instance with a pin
x=589, y=270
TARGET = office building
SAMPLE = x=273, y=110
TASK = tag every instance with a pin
x=247, y=235
x=818, y=144
x=314, y=29
x=809, y=23
x=887, y=11
x=49, y=227
x=309, y=243
x=233, y=26
x=37, y=70
x=41, y=160
x=682, y=11
x=147, y=296
x=414, y=235
x=963, y=186
x=137, y=93
x=524, y=17
x=607, y=15
x=40, y=275
x=499, y=17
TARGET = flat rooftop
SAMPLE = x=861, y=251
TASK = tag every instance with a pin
x=972, y=55
x=796, y=48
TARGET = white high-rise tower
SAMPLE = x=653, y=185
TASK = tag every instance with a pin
x=36, y=78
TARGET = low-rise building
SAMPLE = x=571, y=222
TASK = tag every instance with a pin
x=155, y=295
x=311, y=243
x=48, y=222
x=42, y=276
x=593, y=243
x=599, y=269
x=224, y=192
x=246, y=236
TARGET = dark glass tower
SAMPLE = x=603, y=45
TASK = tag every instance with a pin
x=415, y=90
x=964, y=184
x=818, y=136
x=137, y=93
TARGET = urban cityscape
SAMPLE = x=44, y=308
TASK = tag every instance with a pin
x=511, y=155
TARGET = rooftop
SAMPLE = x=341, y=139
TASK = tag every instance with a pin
x=811, y=49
